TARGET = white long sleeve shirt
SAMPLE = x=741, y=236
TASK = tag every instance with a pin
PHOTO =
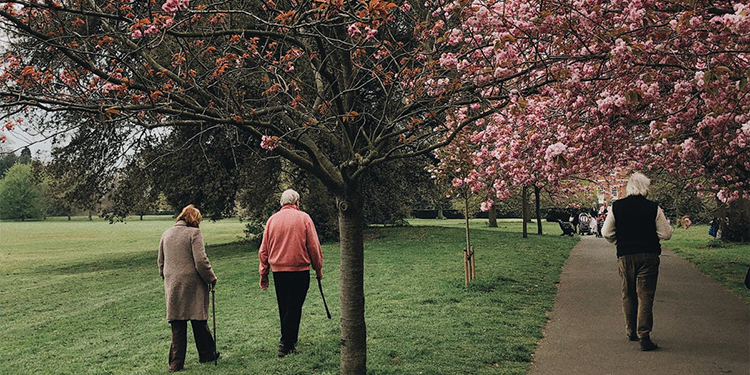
x=663, y=229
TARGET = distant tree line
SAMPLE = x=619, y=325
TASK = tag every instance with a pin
x=196, y=166
x=222, y=171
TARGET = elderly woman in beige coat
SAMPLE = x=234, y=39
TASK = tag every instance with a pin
x=187, y=273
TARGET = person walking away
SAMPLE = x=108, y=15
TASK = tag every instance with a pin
x=635, y=225
x=290, y=246
x=186, y=271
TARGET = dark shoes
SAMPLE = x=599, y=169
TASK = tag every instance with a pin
x=633, y=337
x=284, y=350
x=214, y=358
x=647, y=344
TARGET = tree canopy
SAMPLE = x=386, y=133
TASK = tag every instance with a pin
x=20, y=195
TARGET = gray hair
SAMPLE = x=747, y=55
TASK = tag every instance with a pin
x=289, y=196
x=638, y=184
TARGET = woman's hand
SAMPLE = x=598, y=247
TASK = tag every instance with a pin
x=264, y=282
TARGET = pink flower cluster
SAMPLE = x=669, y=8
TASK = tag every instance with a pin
x=448, y=61
x=173, y=6
x=606, y=112
x=269, y=143
x=555, y=150
x=354, y=31
x=370, y=33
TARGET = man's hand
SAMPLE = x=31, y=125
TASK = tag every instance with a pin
x=264, y=282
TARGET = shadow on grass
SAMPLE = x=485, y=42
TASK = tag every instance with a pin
x=140, y=260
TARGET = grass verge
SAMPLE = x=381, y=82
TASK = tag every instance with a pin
x=726, y=263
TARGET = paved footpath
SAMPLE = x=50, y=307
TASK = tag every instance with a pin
x=700, y=327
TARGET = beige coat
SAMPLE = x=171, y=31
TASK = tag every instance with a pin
x=184, y=266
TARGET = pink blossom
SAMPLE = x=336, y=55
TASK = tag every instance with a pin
x=136, y=34
x=172, y=6
x=687, y=148
x=746, y=128
x=448, y=61
x=405, y=7
x=555, y=150
x=486, y=205
x=699, y=78
x=454, y=37
x=354, y=31
x=151, y=30
x=269, y=143
x=370, y=33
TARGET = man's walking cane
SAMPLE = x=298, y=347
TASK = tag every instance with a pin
x=320, y=286
x=213, y=308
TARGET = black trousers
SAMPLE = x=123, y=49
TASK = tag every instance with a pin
x=291, y=291
x=203, y=341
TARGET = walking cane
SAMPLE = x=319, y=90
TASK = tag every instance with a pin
x=320, y=286
x=213, y=308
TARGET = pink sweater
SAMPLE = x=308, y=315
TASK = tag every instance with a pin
x=290, y=243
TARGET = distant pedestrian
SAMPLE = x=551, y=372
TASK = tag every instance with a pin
x=290, y=246
x=684, y=221
x=636, y=224
x=186, y=271
x=603, y=209
x=575, y=221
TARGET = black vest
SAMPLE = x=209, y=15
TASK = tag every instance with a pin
x=635, y=223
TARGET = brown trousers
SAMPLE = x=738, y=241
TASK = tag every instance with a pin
x=203, y=341
x=639, y=273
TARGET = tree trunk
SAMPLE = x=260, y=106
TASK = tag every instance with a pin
x=90, y=219
x=351, y=292
x=738, y=227
x=141, y=217
x=537, y=192
x=493, y=216
x=68, y=216
x=525, y=208
x=440, y=212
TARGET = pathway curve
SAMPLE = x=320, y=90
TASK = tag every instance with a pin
x=700, y=327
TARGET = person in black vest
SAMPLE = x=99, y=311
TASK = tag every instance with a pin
x=635, y=225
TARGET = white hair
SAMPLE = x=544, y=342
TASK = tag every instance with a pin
x=289, y=196
x=638, y=184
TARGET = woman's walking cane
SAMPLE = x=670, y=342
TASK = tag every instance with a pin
x=213, y=308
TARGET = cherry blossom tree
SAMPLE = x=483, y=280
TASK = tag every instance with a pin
x=456, y=171
x=643, y=84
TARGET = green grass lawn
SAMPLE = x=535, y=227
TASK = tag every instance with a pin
x=727, y=263
x=85, y=297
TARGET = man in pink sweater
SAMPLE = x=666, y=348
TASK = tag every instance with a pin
x=290, y=246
